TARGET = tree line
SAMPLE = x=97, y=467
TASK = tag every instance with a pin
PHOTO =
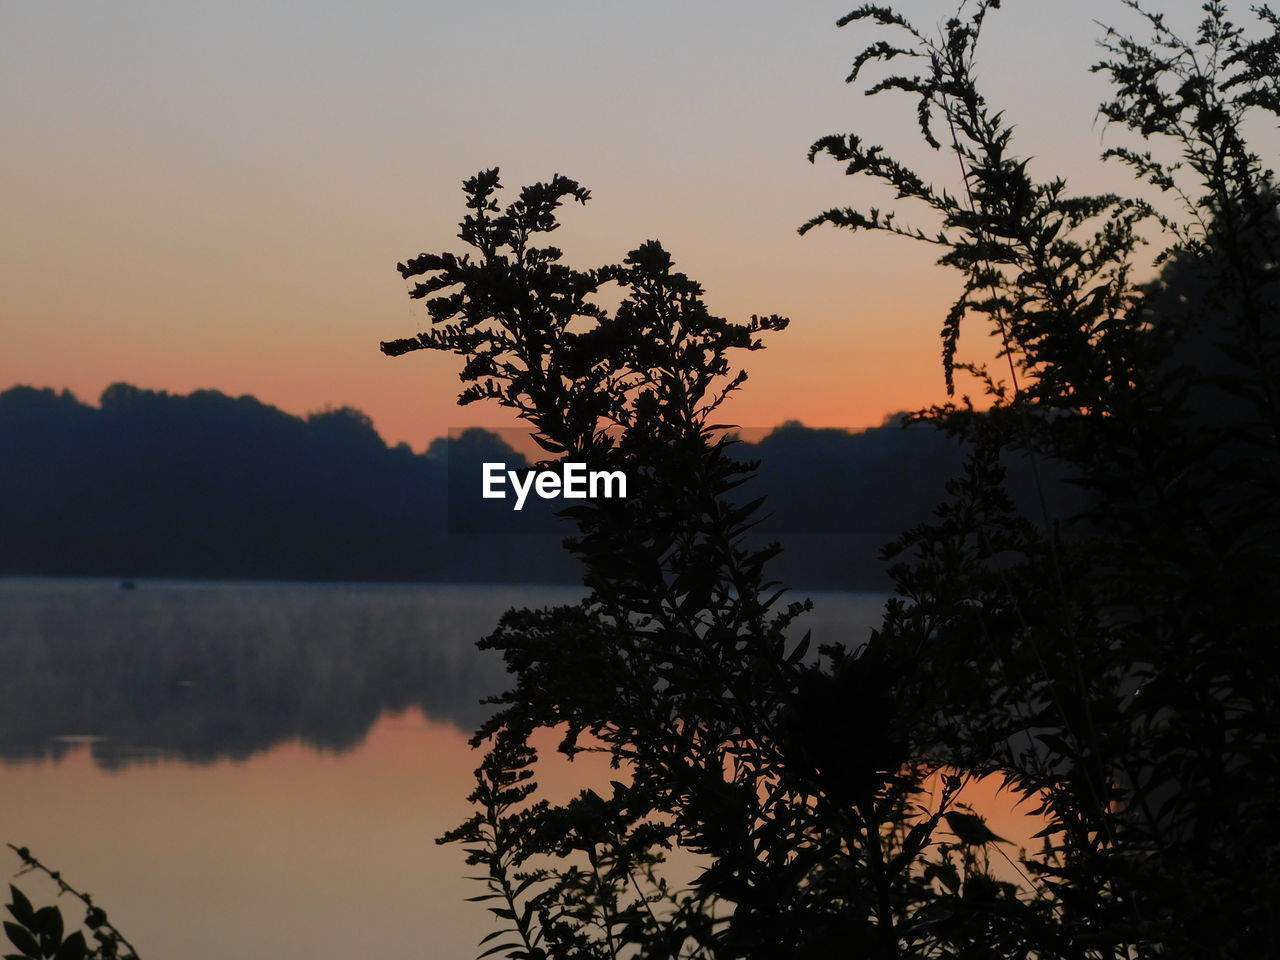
x=152, y=484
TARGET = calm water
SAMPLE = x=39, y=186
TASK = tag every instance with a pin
x=261, y=770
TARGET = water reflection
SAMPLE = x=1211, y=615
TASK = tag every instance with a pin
x=217, y=671
x=302, y=846
x=202, y=672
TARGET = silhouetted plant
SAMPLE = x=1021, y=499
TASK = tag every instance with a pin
x=1115, y=666
x=1111, y=668
x=789, y=779
x=44, y=934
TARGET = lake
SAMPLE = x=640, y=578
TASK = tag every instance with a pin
x=261, y=769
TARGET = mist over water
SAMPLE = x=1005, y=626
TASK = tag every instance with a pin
x=203, y=672
x=259, y=769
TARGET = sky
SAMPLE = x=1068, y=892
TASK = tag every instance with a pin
x=216, y=195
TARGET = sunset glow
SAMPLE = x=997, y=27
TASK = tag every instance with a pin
x=218, y=198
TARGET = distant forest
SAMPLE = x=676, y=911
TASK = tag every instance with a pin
x=151, y=484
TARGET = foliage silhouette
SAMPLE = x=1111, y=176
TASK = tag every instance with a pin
x=677, y=664
x=1115, y=667
x=45, y=935
x=1118, y=671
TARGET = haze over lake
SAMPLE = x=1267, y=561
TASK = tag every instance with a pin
x=261, y=769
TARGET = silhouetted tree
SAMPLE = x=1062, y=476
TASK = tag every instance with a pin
x=729, y=742
x=1115, y=666
x=207, y=485
x=1118, y=671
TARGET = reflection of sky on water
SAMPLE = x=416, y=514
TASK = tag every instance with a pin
x=220, y=671
x=212, y=671
x=343, y=708
x=292, y=852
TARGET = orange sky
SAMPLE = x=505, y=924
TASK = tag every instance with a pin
x=217, y=196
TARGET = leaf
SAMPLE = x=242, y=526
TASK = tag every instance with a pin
x=21, y=907
x=801, y=649
x=22, y=939
x=549, y=445
x=73, y=948
x=49, y=923
x=971, y=829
